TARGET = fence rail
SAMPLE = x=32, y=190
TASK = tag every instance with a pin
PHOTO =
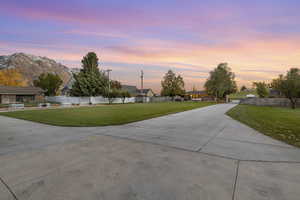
x=66, y=100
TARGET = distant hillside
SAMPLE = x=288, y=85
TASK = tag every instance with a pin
x=31, y=66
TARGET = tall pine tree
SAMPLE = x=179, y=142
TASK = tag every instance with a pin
x=90, y=81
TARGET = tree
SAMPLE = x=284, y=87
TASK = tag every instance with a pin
x=261, y=89
x=12, y=77
x=90, y=63
x=221, y=82
x=115, y=85
x=49, y=82
x=276, y=84
x=289, y=85
x=243, y=88
x=112, y=94
x=124, y=94
x=90, y=81
x=172, y=85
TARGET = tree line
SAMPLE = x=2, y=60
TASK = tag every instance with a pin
x=287, y=85
x=92, y=81
x=12, y=77
x=221, y=82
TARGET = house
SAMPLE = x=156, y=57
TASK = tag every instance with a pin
x=133, y=91
x=273, y=93
x=197, y=94
x=11, y=94
x=146, y=92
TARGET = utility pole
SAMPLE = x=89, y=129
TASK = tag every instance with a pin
x=108, y=71
x=142, y=81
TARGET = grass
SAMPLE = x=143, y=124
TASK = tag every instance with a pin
x=279, y=123
x=242, y=94
x=104, y=115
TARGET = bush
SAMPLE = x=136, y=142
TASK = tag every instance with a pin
x=261, y=89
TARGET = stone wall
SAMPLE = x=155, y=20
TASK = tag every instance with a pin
x=282, y=102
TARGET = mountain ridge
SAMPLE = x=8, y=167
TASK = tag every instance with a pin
x=31, y=66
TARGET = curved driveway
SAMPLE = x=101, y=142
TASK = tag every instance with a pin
x=198, y=154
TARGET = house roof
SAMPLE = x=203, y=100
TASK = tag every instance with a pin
x=134, y=90
x=145, y=91
x=130, y=88
x=274, y=92
x=20, y=90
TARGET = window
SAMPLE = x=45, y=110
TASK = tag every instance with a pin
x=25, y=98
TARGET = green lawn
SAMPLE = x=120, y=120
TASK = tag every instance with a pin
x=242, y=94
x=279, y=123
x=105, y=114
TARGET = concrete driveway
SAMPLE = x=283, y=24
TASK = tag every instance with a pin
x=198, y=154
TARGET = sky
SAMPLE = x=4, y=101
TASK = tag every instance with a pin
x=259, y=39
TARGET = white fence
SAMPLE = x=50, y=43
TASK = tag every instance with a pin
x=66, y=100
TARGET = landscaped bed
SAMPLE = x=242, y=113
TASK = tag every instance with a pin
x=279, y=123
x=105, y=114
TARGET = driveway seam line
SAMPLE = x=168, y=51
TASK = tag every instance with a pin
x=245, y=160
x=242, y=141
x=211, y=139
x=194, y=151
x=235, y=181
x=9, y=189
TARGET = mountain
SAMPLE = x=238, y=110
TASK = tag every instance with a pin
x=31, y=66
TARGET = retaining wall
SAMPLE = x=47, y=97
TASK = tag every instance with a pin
x=283, y=102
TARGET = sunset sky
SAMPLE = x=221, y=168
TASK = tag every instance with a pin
x=259, y=39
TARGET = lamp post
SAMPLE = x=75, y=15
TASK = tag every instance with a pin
x=108, y=71
x=142, y=82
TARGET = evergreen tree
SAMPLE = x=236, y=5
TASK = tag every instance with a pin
x=90, y=81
